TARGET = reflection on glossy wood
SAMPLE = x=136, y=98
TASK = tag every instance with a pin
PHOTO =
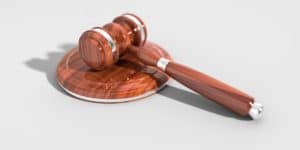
x=127, y=80
x=95, y=47
x=217, y=91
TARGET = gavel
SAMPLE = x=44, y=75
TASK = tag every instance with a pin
x=101, y=47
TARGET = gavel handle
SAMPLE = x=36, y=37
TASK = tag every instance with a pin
x=213, y=89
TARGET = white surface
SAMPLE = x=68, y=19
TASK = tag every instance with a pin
x=253, y=45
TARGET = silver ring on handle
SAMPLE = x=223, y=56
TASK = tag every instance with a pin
x=162, y=63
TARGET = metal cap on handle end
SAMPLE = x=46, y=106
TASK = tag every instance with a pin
x=256, y=111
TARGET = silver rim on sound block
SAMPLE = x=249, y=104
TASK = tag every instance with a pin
x=101, y=100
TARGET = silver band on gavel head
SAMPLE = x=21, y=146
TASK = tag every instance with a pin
x=108, y=38
x=139, y=24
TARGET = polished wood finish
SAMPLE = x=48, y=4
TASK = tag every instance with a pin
x=211, y=88
x=126, y=80
x=132, y=28
x=95, y=50
x=97, y=54
x=219, y=92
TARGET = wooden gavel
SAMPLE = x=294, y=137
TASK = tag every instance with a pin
x=101, y=47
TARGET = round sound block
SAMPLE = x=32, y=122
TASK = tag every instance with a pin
x=127, y=80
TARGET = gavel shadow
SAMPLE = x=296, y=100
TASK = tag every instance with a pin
x=197, y=101
x=48, y=66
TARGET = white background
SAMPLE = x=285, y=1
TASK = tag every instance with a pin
x=253, y=45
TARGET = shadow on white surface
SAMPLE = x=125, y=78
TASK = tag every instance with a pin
x=48, y=65
x=198, y=101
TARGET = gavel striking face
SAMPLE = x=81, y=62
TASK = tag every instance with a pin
x=101, y=47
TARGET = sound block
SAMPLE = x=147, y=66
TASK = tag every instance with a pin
x=127, y=80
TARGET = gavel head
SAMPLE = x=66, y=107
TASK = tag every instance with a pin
x=101, y=47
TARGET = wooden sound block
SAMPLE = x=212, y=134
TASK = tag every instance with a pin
x=127, y=80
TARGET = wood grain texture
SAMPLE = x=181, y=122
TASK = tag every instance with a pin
x=133, y=28
x=125, y=81
x=95, y=49
x=217, y=91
